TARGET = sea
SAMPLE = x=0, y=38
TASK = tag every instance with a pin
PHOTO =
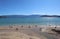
x=29, y=20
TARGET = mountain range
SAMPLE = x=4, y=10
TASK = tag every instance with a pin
x=19, y=16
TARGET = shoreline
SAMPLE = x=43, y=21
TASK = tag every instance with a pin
x=32, y=25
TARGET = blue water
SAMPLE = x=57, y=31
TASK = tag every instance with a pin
x=39, y=20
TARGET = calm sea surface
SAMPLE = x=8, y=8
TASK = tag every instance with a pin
x=39, y=20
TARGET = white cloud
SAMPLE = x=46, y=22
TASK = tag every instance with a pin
x=39, y=13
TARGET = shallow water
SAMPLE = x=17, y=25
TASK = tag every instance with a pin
x=39, y=20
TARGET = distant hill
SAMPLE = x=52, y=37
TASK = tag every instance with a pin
x=20, y=16
x=2, y=16
x=50, y=16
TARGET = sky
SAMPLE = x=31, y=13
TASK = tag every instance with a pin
x=29, y=7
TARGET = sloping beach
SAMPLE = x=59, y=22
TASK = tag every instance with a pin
x=28, y=32
x=20, y=32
